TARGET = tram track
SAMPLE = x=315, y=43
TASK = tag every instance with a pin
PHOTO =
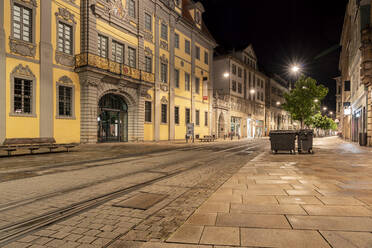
x=11, y=232
x=11, y=205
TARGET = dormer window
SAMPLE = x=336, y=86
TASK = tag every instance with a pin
x=197, y=17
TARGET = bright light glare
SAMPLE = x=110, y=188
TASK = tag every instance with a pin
x=277, y=103
x=316, y=100
x=295, y=68
x=226, y=74
x=252, y=91
x=331, y=113
x=324, y=108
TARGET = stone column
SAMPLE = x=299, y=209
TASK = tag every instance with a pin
x=192, y=80
x=157, y=106
x=2, y=76
x=88, y=108
x=210, y=93
x=171, y=80
x=46, y=70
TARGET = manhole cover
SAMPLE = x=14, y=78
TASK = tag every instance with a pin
x=141, y=201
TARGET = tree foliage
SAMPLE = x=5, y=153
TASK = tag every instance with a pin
x=321, y=122
x=301, y=101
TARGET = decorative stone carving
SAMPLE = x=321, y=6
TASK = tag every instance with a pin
x=66, y=15
x=65, y=80
x=164, y=45
x=23, y=71
x=148, y=97
x=148, y=51
x=164, y=59
x=22, y=47
x=31, y=2
x=65, y=59
x=148, y=36
x=164, y=100
x=164, y=87
x=117, y=9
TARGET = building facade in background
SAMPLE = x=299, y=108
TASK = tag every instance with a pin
x=355, y=80
x=276, y=117
x=95, y=71
x=239, y=95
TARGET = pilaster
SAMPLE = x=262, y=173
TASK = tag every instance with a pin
x=157, y=107
x=46, y=70
x=369, y=116
x=2, y=76
x=88, y=107
x=210, y=93
x=171, y=81
x=192, y=77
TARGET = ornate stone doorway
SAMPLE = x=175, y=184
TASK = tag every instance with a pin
x=112, y=119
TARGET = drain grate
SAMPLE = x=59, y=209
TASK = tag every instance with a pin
x=141, y=201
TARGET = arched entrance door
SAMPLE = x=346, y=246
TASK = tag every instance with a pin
x=112, y=119
x=221, y=126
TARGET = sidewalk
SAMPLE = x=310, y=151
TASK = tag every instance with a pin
x=289, y=201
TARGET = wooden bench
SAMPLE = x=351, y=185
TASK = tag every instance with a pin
x=33, y=144
x=207, y=138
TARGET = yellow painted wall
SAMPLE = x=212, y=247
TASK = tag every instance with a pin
x=16, y=126
x=66, y=130
x=106, y=28
x=149, y=127
x=180, y=129
x=180, y=52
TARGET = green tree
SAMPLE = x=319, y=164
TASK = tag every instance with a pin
x=303, y=101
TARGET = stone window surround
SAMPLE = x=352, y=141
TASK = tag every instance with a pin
x=147, y=13
x=14, y=74
x=161, y=114
x=197, y=117
x=71, y=23
x=206, y=119
x=179, y=115
x=61, y=57
x=126, y=45
x=67, y=82
x=14, y=42
x=152, y=114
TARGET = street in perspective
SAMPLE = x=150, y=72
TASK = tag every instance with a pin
x=185, y=124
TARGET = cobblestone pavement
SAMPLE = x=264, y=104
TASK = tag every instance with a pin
x=321, y=200
x=115, y=226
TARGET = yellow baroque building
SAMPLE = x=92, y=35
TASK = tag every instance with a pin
x=104, y=70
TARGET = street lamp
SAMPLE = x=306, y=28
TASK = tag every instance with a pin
x=252, y=91
x=316, y=100
x=277, y=103
x=226, y=75
x=331, y=113
x=295, y=69
x=325, y=108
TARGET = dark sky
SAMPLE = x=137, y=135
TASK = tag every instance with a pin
x=282, y=32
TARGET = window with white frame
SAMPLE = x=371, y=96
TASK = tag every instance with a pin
x=65, y=38
x=22, y=23
x=187, y=81
x=132, y=8
x=64, y=101
x=164, y=72
x=132, y=57
x=164, y=31
x=22, y=96
x=117, y=52
x=102, y=46
x=148, y=64
x=148, y=22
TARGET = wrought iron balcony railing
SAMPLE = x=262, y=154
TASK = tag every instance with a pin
x=88, y=59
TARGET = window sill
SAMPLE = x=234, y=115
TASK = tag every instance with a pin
x=60, y=117
x=22, y=115
x=22, y=47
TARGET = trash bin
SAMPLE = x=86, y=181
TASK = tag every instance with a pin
x=362, y=139
x=305, y=140
x=283, y=140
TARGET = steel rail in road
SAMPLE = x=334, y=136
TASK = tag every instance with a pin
x=14, y=204
x=14, y=231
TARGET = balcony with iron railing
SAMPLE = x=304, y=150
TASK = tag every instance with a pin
x=118, y=69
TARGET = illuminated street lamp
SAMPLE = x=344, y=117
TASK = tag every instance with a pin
x=316, y=100
x=252, y=91
x=325, y=108
x=331, y=113
x=226, y=75
x=295, y=69
x=277, y=103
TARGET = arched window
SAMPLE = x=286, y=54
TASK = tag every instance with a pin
x=114, y=102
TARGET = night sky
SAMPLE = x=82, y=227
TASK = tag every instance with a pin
x=282, y=33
